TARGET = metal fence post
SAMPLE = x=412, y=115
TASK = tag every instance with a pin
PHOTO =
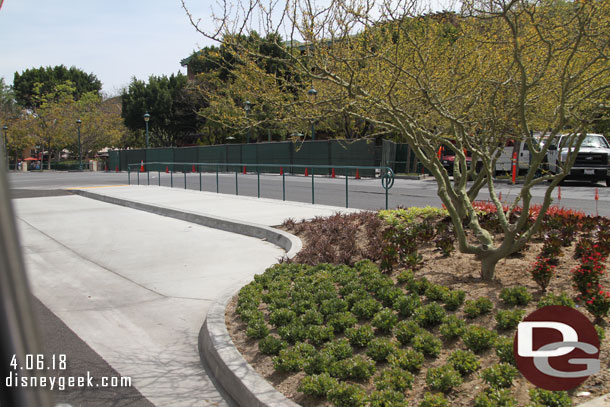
x=313, y=188
x=236, y=187
x=283, y=186
x=171, y=177
x=138, y=177
x=217, y=178
x=159, y=177
x=346, y=188
x=128, y=175
x=147, y=175
x=258, y=180
x=200, y=184
x=184, y=172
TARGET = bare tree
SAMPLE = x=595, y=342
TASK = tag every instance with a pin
x=497, y=70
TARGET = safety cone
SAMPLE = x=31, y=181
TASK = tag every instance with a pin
x=332, y=174
x=500, y=196
x=167, y=169
x=141, y=166
x=357, y=174
x=244, y=169
x=117, y=168
x=306, y=173
x=559, y=193
x=596, y=195
x=194, y=170
x=281, y=170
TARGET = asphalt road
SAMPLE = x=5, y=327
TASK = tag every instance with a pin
x=363, y=194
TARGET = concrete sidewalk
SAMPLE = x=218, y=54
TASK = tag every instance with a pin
x=136, y=286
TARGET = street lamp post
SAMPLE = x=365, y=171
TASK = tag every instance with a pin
x=5, y=128
x=80, y=149
x=312, y=93
x=247, y=108
x=146, y=119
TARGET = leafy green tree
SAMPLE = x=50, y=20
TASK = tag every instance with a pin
x=43, y=80
x=172, y=107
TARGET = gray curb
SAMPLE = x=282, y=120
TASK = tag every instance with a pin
x=217, y=352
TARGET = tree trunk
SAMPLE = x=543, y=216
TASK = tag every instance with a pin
x=488, y=266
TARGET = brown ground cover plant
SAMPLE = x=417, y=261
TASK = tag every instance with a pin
x=344, y=330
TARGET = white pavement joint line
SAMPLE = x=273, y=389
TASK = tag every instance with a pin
x=228, y=366
x=90, y=260
x=290, y=243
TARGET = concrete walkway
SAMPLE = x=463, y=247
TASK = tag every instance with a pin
x=136, y=286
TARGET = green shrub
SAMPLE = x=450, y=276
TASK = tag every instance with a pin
x=271, y=345
x=248, y=315
x=385, y=320
x=405, y=276
x=427, y=344
x=318, y=363
x=293, y=359
x=552, y=299
x=436, y=292
x=357, y=295
x=434, y=400
x=360, y=336
x=452, y=328
x=303, y=306
x=464, y=361
x=394, y=379
x=365, y=309
x=357, y=368
x=546, y=398
x=341, y=321
x=405, y=305
x=406, y=359
x=333, y=306
x=480, y=306
x=500, y=375
x=387, y=398
x=418, y=286
x=339, y=349
x=317, y=385
x=454, y=299
x=405, y=331
x=388, y=295
x=257, y=329
x=504, y=350
x=379, y=349
x=495, y=398
x=478, y=339
x=508, y=319
x=443, y=378
x=281, y=317
x=293, y=332
x=312, y=317
x=430, y=315
x=514, y=296
x=601, y=333
x=347, y=395
x=318, y=334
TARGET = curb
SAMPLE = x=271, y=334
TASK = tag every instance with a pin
x=286, y=241
x=217, y=352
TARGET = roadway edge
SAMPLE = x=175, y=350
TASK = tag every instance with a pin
x=217, y=352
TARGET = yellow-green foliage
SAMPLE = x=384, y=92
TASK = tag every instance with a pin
x=412, y=214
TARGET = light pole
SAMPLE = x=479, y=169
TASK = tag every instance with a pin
x=247, y=108
x=312, y=93
x=80, y=150
x=146, y=119
x=5, y=128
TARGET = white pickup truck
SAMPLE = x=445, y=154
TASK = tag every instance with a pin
x=591, y=164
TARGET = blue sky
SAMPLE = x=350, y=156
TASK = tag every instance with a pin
x=113, y=39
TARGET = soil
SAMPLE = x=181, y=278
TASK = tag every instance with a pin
x=459, y=271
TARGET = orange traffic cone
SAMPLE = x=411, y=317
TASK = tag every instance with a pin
x=357, y=174
x=194, y=170
x=141, y=166
x=281, y=170
x=117, y=168
x=559, y=193
x=332, y=174
x=244, y=169
x=167, y=169
x=596, y=195
x=306, y=173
